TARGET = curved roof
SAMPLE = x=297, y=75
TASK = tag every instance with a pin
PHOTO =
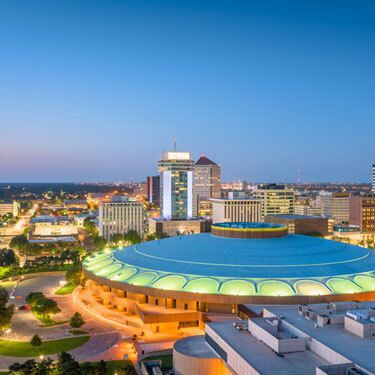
x=205, y=263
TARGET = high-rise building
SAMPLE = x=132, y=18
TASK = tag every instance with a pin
x=176, y=185
x=153, y=189
x=206, y=178
x=276, y=199
x=373, y=178
x=362, y=212
x=206, y=184
x=13, y=208
x=234, y=210
x=119, y=216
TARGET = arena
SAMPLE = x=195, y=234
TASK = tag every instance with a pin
x=175, y=281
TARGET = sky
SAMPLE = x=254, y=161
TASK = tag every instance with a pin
x=271, y=90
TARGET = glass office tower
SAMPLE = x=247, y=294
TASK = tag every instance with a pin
x=176, y=186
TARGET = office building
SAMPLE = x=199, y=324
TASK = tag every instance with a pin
x=236, y=210
x=206, y=178
x=321, y=339
x=373, y=178
x=362, y=212
x=335, y=205
x=176, y=185
x=119, y=216
x=276, y=199
x=153, y=190
x=13, y=208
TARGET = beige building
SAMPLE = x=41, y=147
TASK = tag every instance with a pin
x=206, y=184
x=335, y=205
x=119, y=216
x=276, y=199
x=14, y=208
x=233, y=210
x=176, y=227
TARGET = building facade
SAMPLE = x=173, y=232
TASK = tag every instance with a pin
x=176, y=185
x=373, y=178
x=276, y=199
x=236, y=210
x=362, y=213
x=153, y=189
x=13, y=208
x=120, y=216
x=206, y=183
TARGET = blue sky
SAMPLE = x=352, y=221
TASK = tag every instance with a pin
x=271, y=90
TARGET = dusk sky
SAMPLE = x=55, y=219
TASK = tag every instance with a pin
x=272, y=90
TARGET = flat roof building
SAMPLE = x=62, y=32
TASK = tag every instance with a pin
x=309, y=339
x=304, y=224
x=235, y=210
x=362, y=212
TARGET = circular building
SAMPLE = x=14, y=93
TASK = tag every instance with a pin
x=237, y=263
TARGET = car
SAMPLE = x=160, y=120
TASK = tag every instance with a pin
x=23, y=307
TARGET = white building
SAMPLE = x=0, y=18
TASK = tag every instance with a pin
x=176, y=185
x=14, y=208
x=335, y=205
x=119, y=216
x=232, y=210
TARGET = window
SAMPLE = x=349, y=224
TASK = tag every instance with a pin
x=186, y=306
x=174, y=303
x=156, y=302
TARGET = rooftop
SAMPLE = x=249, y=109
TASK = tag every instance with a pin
x=195, y=346
x=203, y=160
x=263, y=358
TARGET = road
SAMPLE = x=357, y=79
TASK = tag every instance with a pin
x=25, y=325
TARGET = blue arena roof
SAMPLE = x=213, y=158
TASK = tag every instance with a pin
x=292, y=258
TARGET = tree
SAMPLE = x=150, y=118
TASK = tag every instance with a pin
x=77, y=320
x=133, y=237
x=67, y=365
x=74, y=274
x=8, y=258
x=6, y=311
x=99, y=243
x=19, y=242
x=117, y=238
x=42, y=305
x=36, y=340
x=90, y=227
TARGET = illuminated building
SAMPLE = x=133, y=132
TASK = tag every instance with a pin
x=373, y=179
x=229, y=210
x=176, y=185
x=335, y=205
x=119, y=216
x=362, y=212
x=206, y=184
x=276, y=199
x=13, y=208
x=173, y=282
x=153, y=189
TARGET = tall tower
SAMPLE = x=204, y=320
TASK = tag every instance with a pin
x=373, y=178
x=176, y=185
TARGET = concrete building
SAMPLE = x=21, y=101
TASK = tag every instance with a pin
x=276, y=199
x=176, y=185
x=235, y=210
x=362, y=212
x=177, y=227
x=373, y=178
x=303, y=224
x=206, y=184
x=153, y=190
x=306, y=209
x=335, y=205
x=13, y=208
x=119, y=216
x=320, y=339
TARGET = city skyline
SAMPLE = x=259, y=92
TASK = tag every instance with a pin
x=270, y=91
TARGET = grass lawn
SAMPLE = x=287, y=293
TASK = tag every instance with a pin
x=25, y=349
x=166, y=360
x=47, y=321
x=66, y=289
x=78, y=332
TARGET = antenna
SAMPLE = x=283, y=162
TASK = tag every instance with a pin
x=175, y=145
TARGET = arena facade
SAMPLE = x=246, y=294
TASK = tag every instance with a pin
x=172, y=283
